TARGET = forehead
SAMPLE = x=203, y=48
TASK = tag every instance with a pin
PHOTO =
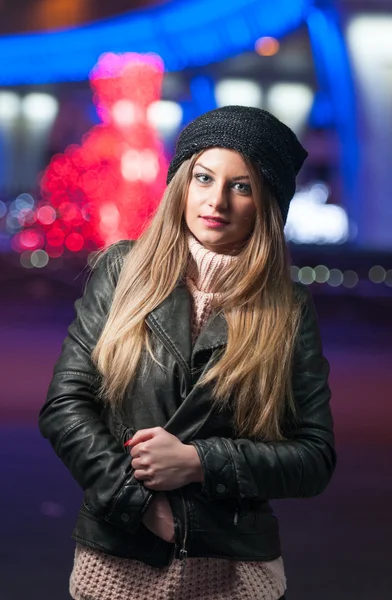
x=223, y=158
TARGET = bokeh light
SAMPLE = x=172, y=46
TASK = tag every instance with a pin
x=74, y=242
x=55, y=235
x=39, y=108
x=335, y=277
x=24, y=201
x=3, y=209
x=165, y=115
x=124, y=113
x=54, y=251
x=9, y=106
x=388, y=278
x=26, y=217
x=243, y=92
x=306, y=275
x=294, y=271
x=39, y=258
x=321, y=274
x=267, y=46
x=350, y=279
x=377, y=274
x=25, y=260
x=46, y=215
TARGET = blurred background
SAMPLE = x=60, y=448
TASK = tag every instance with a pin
x=92, y=97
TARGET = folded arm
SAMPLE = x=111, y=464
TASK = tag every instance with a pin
x=71, y=417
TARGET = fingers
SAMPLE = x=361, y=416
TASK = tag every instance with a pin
x=143, y=435
x=137, y=450
x=142, y=475
x=151, y=484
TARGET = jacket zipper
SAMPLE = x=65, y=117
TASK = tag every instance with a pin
x=236, y=514
x=183, y=555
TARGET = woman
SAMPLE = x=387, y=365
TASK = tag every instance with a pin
x=192, y=387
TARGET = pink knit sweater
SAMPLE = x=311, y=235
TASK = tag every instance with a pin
x=98, y=576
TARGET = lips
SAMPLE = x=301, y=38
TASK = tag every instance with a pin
x=215, y=219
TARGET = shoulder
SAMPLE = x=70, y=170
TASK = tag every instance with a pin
x=303, y=300
x=301, y=291
x=112, y=258
x=302, y=297
x=117, y=251
x=105, y=265
x=308, y=329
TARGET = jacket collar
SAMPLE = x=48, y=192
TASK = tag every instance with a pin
x=171, y=320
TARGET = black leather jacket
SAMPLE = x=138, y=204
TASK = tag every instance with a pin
x=228, y=515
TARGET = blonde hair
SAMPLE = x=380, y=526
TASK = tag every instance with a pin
x=257, y=300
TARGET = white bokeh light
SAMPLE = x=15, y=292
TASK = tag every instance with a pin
x=312, y=221
x=10, y=104
x=243, y=92
x=290, y=102
x=40, y=109
x=370, y=37
x=109, y=218
x=124, y=113
x=165, y=116
x=139, y=165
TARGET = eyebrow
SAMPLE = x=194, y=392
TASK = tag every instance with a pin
x=211, y=171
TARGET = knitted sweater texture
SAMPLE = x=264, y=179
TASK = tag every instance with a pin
x=98, y=576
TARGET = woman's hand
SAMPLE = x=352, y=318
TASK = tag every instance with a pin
x=162, y=462
x=158, y=518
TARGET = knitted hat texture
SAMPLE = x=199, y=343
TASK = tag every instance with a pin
x=255, y=133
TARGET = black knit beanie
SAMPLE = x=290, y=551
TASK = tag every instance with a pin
x=258, y=135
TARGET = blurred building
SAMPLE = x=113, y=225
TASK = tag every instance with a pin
x=325, y=70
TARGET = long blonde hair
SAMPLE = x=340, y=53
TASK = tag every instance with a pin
x=257, y=300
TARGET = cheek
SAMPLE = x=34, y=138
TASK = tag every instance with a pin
x=192, y=205
x=247, y=212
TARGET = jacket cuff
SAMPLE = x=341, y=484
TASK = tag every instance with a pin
x=220, y=480
x=129, y=506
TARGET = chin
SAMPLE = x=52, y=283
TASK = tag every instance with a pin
x=211, y=237
x=215, y=241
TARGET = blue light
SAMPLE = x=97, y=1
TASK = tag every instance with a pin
x=184, y=33
x=335, y=81
x=203, y=96
x=321, y=115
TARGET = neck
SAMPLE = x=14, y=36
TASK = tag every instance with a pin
x=204, y=265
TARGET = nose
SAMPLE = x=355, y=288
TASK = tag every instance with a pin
x=218, y=198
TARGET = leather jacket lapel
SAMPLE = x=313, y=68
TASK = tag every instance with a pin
x=171, y=321
x=213, y=335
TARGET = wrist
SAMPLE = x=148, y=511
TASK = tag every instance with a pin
x=196, y=470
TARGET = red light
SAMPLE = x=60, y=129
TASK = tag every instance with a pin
x=74, y=242
x=55, y=236
x=79, y=183
x=30, y=239
x=54, y=251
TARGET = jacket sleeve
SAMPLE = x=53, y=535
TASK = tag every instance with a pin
x=303, y=463
x=71, y=417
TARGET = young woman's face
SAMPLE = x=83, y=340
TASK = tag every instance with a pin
x=220, y=208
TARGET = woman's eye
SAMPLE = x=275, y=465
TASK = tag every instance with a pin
x=243, y=188
x=202, y=177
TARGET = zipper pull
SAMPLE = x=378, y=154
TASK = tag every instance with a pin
x=183, y=554
x=235, y=520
